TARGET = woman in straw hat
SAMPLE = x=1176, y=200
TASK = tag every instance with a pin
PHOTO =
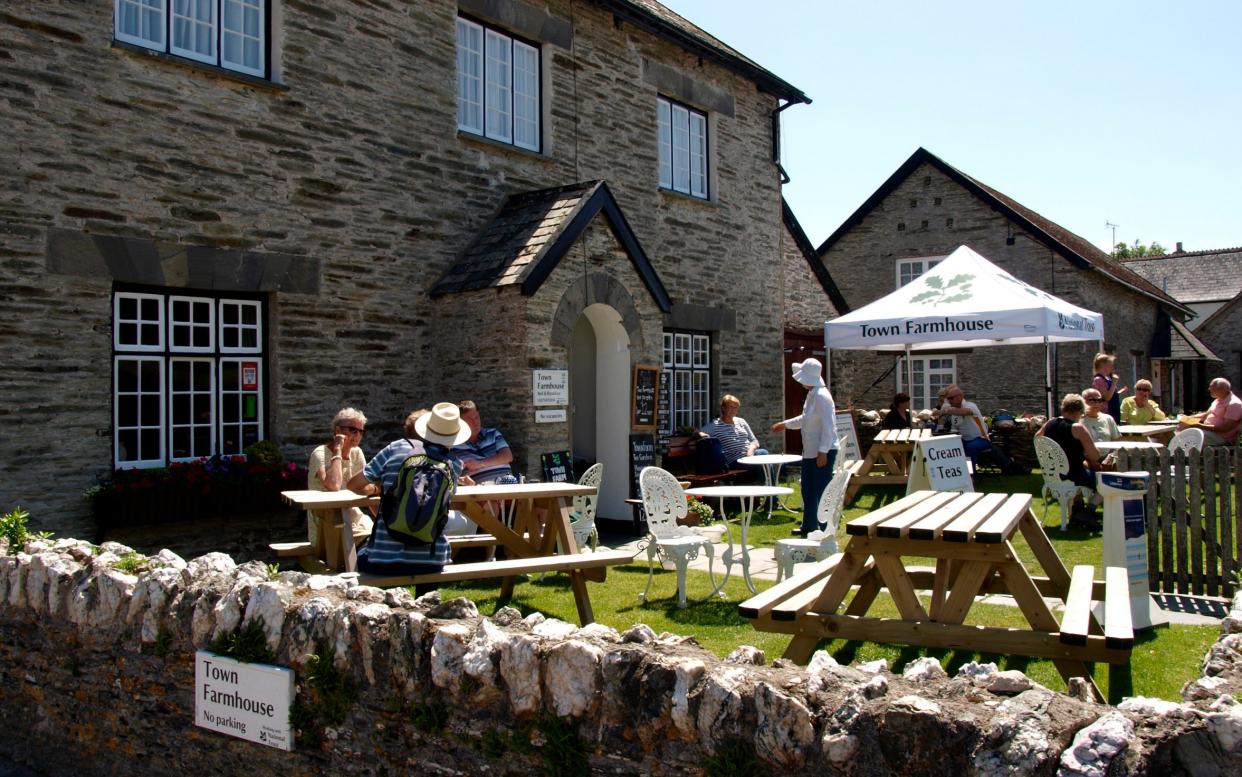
x=819, y=439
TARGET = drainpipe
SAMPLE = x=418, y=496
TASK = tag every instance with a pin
x=776, y=139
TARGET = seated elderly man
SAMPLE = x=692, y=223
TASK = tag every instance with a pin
x=735, y=435
x=966, y=420
x=1140, y=408
x=485, y=457
x=1220, y=421
x=1101, y=426
x=1084, y=459
x=331, y=466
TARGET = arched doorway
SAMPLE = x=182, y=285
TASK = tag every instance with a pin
x=599, y=385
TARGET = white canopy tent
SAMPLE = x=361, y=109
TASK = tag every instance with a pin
x=965, y=301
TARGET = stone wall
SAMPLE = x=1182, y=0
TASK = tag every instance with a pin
x=929, y=215
x=96, y=678
x=349, y=180
x=1221, y=335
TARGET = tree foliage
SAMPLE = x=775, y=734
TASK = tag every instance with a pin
x=1124, y=251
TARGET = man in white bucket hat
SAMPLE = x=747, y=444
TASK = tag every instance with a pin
x=819, y=439
x=440, y=429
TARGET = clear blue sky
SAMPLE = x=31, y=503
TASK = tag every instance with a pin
x=1086, y=112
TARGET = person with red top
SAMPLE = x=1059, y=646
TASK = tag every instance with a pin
x=1108, y=384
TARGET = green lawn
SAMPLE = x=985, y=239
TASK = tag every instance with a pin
x=1164, y=659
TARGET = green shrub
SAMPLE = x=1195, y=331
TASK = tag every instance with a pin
x=264, y=452
x=13, y=527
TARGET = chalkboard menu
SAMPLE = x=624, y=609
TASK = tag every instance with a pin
x=643, y=398
x=642, y=454
x=557, y=467
x=664, y=401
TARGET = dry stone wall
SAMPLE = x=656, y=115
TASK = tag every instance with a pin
x=96, y=678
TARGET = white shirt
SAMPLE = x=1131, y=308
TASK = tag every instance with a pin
x=817, y=422
x=966, y=425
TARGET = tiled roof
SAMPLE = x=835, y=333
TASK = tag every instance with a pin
x=656, y=18
x=532, y=232
x=1183, y=345
x=1075, y=248
x=1198, y=276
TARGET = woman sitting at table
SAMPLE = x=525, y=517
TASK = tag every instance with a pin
x=331, y=466
x=898, y=416
x=1084, y=458
x=1140, y=409
x=1101, y=425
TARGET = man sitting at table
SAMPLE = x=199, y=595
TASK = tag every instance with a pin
x=735, y=436
x=439, y=429
x=485, y=457
x=1140, y=408
x=1084, y=459
x=331, y=466
x=1220, y=421
x=966, y=420
x=1100, y=426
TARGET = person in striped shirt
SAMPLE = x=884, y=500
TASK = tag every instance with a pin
x=735, y=435
x=485, y=457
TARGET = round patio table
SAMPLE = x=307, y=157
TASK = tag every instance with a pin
x=771, y=463
x=1129, y=445
x=747, y=496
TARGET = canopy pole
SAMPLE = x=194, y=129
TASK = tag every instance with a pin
x=909, y=374
x=1048, y=376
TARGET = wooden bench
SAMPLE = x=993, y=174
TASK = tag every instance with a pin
x=594, y=567
x=304, y=552
x=679, y=459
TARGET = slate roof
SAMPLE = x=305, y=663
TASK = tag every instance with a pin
x=1194, y=276
x=1078, y=250
x=532, y=232
x=1183, y=345
x=655, y=18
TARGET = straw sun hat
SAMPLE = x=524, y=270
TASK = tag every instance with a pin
x=443, y=425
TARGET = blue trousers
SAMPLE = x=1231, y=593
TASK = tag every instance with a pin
x=814, y=480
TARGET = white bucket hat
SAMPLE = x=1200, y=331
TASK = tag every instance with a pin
x=809, y=373
x=443, y=425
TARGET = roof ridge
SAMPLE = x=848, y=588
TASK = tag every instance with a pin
x=1175, y=254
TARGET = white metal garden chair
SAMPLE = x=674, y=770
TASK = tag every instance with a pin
x=1053, y=463
x=1187, y=440
x=818, y=544
x=582, y=514
x=664, y=502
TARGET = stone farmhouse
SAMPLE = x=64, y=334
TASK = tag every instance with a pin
x=223, y=222
x=924, y=211
x=1209, y=283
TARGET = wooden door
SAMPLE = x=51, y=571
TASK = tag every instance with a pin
x=798, y=347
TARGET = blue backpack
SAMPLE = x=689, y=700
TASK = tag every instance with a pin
x=416, y=508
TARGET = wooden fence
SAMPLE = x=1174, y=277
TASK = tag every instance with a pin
x=1194, y=526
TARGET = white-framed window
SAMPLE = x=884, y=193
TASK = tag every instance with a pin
x=931, y=373
x=188, y=376
x=682, y=144
x=909, y=269
x=498, y=85
x=687, y=359
x=231, y=34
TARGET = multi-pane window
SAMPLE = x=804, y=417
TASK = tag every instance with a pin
x=909, y=269
x=931, y=373
x=497, y=85
x=188, y=377
x=231, y=34
x=683, y=148
x=687, y=359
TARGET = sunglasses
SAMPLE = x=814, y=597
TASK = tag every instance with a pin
x=1143, y=391
x=1096, y=401
x=350, y=429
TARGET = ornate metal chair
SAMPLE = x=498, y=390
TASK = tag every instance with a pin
x=664, y=502
x=1053, y=463
x=818, y=544
x=583, y=512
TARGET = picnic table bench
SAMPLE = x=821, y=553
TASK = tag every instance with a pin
x=887, y=461
x=531, y=532
x=970, y=538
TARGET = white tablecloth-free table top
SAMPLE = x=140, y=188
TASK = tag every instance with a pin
x=747, y=495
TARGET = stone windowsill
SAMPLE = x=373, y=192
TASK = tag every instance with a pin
x=190, y=64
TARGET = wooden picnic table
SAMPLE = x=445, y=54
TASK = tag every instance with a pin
x=887, y=461
x=529, y=520
x=970, y=537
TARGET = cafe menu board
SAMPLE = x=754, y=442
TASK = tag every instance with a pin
x=642, y=454
x=847, y=439
x=557, y=467
x=664, y=405
x=643, y=398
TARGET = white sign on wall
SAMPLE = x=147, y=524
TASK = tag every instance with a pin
x=551, y=387
x=248, y=701
x=940, y=464
x=551, y=416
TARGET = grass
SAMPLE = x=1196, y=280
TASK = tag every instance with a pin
x=1164, y=659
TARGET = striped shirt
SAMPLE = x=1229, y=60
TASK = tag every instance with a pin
x=383, y=554
x=735, y=437
x=489, y=443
